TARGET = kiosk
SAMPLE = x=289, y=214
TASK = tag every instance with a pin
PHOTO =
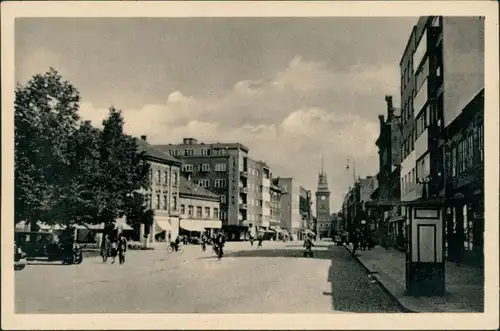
x=425, y=260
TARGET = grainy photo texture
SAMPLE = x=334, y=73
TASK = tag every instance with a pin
x=249, y=165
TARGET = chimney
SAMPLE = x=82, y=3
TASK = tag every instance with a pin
x=145, y=138
x=390, y=107
x=381, y=121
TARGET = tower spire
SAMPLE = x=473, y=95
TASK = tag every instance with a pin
x=322, y=163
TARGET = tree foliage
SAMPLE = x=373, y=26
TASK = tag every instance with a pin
x=67, y=171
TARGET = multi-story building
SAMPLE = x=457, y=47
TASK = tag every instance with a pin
x=222, y=169
x=163, y=195
x=259, y=196
x=385, y=216
x=460, y=44
x=322, y=205
x=276, y=192
x=305, y=203
x=199, y=209
x=354, y=208
x=290, y=207
x=442, y=82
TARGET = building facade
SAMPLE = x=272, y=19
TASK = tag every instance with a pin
x=163, y=195
x=323, y=214
x=222, y=169
x=259, y=196
x=461, y=47
x=442, y=111
x=199, y=209
x=276, y=192
x=305, y=202
x=290, y=207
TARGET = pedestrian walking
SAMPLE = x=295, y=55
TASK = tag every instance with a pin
x=114, y=250
x=251, y=241
x=105, y=248
x=122, y=248
x=261, y=238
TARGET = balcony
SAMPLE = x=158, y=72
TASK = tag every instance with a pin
x=243, y=206
x=244, y=174
x=244, y=190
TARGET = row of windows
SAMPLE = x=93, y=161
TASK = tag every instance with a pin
x=162, y=177
x=206, y=183
x=219, y=167
x=198, y=152
x=200, y=212
x=408, y=182
x=161, y=202
x=467, y=153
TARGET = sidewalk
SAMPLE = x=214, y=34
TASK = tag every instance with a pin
x=464, y=284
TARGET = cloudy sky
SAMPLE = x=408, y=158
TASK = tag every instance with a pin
x=289, y=88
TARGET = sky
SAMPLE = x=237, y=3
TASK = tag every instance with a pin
x=290, y=89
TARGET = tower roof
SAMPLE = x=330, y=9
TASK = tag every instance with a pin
x=322, y=178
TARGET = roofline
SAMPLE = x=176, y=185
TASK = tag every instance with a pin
x=165, y=161
x=199, y=196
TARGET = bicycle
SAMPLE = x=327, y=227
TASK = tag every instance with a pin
x=171, y=249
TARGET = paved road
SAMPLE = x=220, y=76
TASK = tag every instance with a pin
x=273, y=279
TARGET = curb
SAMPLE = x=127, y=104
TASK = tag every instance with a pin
x=381, y=285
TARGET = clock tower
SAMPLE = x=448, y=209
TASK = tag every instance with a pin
x=322, y=203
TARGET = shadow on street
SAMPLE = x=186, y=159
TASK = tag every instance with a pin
x=351, y=289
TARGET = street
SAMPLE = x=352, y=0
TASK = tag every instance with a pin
x=272, y=279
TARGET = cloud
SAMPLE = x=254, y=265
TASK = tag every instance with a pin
x=288, y=120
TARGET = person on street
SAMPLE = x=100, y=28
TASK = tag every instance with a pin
x=251, y=240
x=204, y=241
x=114, y=250
x=355, y=241
x=105, y=248
x=122, y=248
x=308, y=244
x=261, y=238
x=177, y=242
x=221, y=241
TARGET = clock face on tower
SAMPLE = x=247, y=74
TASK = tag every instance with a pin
x=323, y=198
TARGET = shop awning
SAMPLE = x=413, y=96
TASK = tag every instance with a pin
x=200, y=225
x=163, y=225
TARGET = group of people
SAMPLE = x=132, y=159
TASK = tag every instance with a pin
x=113, y=247
x=260, y=239
x=362, y=240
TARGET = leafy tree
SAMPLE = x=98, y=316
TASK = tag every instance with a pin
x=45, y=116
x=123, y=174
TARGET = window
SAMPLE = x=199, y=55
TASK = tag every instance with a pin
x=220, y=183
x=188, y=152
x=190, y=210
x=174, y=201
x=204, y=167
x=175, y=178
x=183, y=209
x=204, y=152
x=453, y=161
x=199, y=212
x=207, y=212
x=216, y=213
x=187, y=168
x=165, y=201
x=206, y=183
x=421, y=122
x=221, y=167
x=223, y=215
x=158, y=176
x=165, y=177
x=222, y=198
x=157, y=202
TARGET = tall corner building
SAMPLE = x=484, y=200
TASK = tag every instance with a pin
x=225, y=169
x=322, y=204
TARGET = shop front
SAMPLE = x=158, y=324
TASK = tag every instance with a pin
x=195, y=227
x=166, y=228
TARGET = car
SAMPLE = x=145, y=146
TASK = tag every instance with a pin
x=19, y=258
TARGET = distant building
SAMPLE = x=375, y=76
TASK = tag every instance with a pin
x=276, y=221
x=323, y=205
x=259, y=196
x=163, y=195
x=222, y=169
x=305, y=203
x=199, y=209
x=290, y=206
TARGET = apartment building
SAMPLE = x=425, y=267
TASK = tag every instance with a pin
x=222, y=169
x=199, y=209
x=306, y=208
x=442, y=112
x=259, y=196
x=163, y=195
x=290, y=207
x=276, y=192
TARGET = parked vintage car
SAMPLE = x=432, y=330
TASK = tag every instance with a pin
x=46, y=246
x=19, y=258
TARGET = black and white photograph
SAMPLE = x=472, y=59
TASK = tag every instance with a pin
x=209, y=165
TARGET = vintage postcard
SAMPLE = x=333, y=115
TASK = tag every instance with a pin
x=250, y=165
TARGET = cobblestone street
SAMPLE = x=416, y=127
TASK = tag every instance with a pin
x=272, y=279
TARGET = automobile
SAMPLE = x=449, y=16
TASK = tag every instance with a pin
x=46, y=246
x=19, y=258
